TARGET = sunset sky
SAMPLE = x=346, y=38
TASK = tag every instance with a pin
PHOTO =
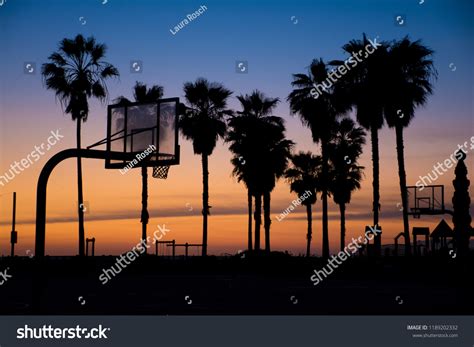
x=261, y=33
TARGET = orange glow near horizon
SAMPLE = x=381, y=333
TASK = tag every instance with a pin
x=114, y=206
x=115, y=199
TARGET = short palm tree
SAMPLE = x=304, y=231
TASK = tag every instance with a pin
x=410, y=72
x=346, y=174
x=319, y=114
x=273, y=165
x=303, y=176
x=143, y=94
x=204, y=123
x=77, y=73
x=243, y=139
x=366, y=85
x=241, y=171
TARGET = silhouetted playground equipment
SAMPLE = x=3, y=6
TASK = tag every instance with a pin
x=421, y=231
x=91, y=241
x=133, y=130
x=440, y=236
x=370, y=248
x=423, y=200
x=395, y=251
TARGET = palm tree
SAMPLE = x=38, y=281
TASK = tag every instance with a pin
x=319, y=114
x=241, y=172
x=410, y=72
x=303, y=176
x=77, y=73
x=142, y=94
x=366, y=86
x=243, y=139
x=260, y=154
x=273, y=165
x=203, y=123
x=345, y=149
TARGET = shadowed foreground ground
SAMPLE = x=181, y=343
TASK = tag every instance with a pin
x=150, y=285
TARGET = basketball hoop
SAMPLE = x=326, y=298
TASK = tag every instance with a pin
x=133, y=128
x=425, y=200
x=161, y=172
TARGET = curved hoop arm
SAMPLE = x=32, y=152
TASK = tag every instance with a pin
x=43, y=183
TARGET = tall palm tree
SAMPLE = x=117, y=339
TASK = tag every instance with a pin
x=77, y=73
x=366, y=86
x=319, y=114
x=303, y=176
x=142, y=94
x=346, y=174
x=260, y=154
x=203, y=123
x=410, y=72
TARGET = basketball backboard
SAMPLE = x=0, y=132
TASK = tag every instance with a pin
x=428, y=200
x=146, y=132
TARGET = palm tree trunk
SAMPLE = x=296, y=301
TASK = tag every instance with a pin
x=403, y=187
x=309, y=236
x=205, y=201
x=80, y=197
x=324, y=191
x=342, y=209
x=258, y=219
x=267, y=220
x=144, y=216
x=249, y=197
x=374, y=137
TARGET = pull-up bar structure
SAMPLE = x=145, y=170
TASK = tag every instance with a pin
x=172, y=243
x=186, y=247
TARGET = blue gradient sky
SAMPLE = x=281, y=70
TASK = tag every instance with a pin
x=259, y=32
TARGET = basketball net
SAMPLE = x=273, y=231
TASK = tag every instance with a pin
x=161, y=172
